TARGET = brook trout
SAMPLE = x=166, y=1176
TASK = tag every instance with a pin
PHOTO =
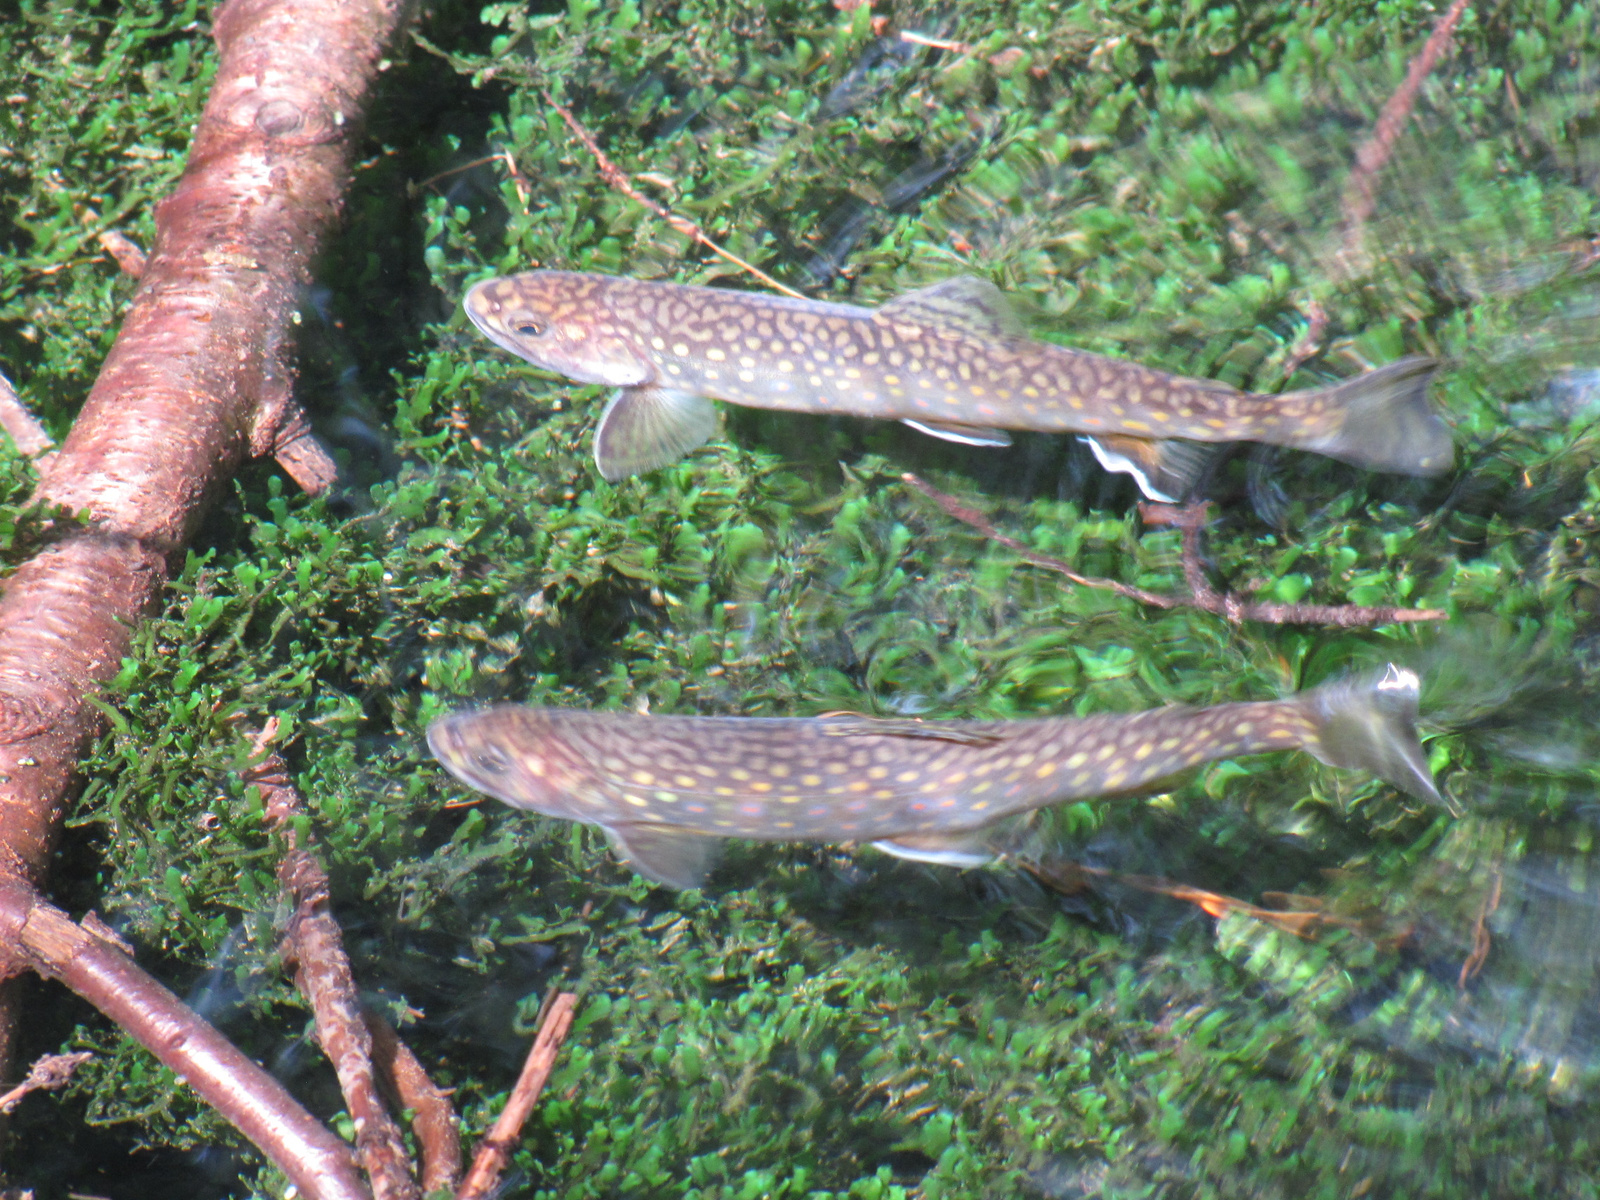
x=951, y=360
x=665, y=789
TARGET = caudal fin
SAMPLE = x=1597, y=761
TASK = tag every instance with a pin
x=1381, y=420
x=1371, y=723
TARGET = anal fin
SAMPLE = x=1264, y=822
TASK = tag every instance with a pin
x=954, y=431
x=966, y=849
x=666, y=855
x=644, y=428
x=1165, y=470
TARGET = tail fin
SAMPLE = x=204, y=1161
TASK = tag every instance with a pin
x=1381, y=420
x=1371, y=723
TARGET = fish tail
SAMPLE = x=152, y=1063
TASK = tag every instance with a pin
x=1370, y=722
x=1380, y=420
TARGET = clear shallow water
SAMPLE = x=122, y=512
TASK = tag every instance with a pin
x=1160, y=186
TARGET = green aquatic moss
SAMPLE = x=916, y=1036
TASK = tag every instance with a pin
x=1160, y=181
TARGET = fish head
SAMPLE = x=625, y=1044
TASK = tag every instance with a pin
x=499, y=752
x=559, y=320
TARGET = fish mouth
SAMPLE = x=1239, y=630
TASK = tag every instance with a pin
x=444, y=742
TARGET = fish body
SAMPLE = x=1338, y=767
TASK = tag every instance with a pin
x=665, y=788
x=951, y=360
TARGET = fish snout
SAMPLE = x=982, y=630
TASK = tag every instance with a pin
x=483, y=752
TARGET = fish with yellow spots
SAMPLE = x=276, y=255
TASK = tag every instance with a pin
x=951, y=360
x=665, y=788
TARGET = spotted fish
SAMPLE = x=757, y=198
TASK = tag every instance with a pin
x=664, y=789
x=951, y=360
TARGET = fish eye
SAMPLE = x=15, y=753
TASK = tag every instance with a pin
x=491, y=760
x=527, y=327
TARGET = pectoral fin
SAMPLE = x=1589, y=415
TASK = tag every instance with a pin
x=1164, y=470
x=946, y=849
x=664, y=854
x=967, y=435
x=648, y=427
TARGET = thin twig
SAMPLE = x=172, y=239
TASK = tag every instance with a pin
x=49, y=1073
x=1481, y=939
x=918, y=39
x=972, y=517
x=433, y=1117
x=129, y=255
x=20, y=425
x=315, y=945
x=1360, y=191
x=495, y=1150
x=1190, y=519
x=1310, y=342
x=618, y=178
x=1070, y=878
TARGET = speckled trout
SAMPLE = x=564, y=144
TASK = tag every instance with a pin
x=951, y=360
x=665, y=788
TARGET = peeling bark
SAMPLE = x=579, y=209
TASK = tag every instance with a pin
x=199, y=378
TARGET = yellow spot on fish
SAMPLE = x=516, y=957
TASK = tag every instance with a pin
x=908, y=776
x=1243, y=728
x=1045, y=771
x=643, y=778
x=716, y=355
x=659, y=343
x=761, y=785
x=725, y=791
x=811, y=780
x=738, y=773
x=1077, y=760
x=1115, y=781
x=685, y=781
x=680, y=349
x=747, y=376
x=636, y=801
x=1143, y=752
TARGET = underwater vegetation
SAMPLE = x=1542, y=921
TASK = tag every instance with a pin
x=1413, y=1015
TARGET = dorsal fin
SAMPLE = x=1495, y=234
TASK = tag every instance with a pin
x=856, y=725
x=967, y=303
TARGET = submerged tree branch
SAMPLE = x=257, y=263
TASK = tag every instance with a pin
x=433, y=1117
x=1191, y=520
x=495, y=1149
x=199, y=378
x=46, y=940
x=315, y=945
